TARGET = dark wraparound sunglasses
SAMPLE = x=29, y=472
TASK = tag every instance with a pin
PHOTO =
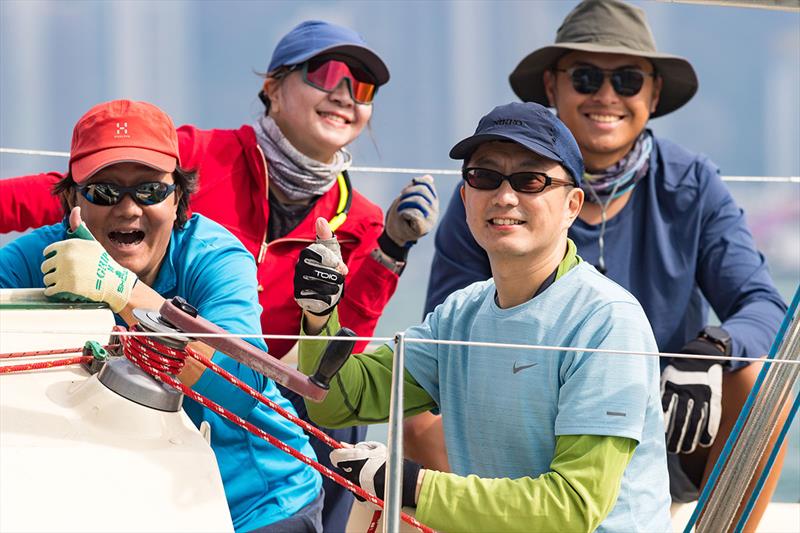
x=626, y=81
x=527, y=182
x=106, y=194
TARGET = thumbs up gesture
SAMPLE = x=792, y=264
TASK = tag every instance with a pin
x=79, y=269
x=319, y=273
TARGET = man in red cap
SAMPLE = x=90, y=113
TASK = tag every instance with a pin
x=129, y=242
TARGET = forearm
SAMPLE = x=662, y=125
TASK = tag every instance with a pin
x=367, y=292
x=754, y=326
x=734, y=277
x=576, y=495
x=361, y=391
x=423, y=441
x=27, y=202
x=144, y=297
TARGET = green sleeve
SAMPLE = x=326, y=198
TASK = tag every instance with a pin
x=576, y=495
x=361, y=391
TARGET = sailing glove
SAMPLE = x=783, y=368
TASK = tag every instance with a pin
x=365, y=465
x=79, y=269
x=412, y=215
x=318, y=284
x=691, y=397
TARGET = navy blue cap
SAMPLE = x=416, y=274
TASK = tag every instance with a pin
x=314, y=37
x=532, y=126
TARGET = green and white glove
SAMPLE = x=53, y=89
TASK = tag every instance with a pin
x=79, y=269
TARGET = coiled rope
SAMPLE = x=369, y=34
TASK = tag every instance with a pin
x=162, y=362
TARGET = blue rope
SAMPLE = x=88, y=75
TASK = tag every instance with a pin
x=767, y=467
x=745, y=412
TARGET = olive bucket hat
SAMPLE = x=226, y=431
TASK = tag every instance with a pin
x=607, y=26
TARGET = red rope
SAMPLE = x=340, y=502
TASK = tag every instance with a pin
x=157, y=359
x=45, y=364
x=49, y=352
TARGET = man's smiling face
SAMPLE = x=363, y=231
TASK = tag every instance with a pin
x=510, y=224
x=605, y=124
x=136, y=236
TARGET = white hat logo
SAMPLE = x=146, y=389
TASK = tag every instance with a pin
x=122, y=129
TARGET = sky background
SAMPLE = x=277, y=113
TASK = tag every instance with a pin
x=449, y=63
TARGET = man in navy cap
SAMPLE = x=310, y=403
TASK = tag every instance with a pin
x=538, y=440
x=658, y=220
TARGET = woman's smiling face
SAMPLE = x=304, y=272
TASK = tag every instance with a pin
x=317, y=123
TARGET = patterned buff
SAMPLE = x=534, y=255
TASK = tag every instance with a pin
x=296, y=175
x=622, y=176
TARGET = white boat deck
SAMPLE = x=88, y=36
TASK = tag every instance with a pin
x=76, y=456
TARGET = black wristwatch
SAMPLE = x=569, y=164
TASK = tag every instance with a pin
x=718, y=336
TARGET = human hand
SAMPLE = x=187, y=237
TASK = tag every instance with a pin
x=412, y=214
x=691, y=397
x=319, y=273
x=79, y=269
x=365, y=465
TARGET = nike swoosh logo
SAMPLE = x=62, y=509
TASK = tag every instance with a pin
x=519, y=368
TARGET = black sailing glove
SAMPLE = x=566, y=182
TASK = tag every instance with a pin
x=691, y=397
x=365, y=465
x=318, y=285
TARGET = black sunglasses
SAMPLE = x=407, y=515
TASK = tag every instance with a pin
x=485, y=179
x=106, y=194
x=588, y=79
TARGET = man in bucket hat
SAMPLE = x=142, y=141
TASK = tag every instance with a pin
x=657, y=220
x=538, y=440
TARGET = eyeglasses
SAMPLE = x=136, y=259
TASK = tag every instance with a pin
x=526, y=182
x=327, y=74
x=107, y=194
x=588, y=79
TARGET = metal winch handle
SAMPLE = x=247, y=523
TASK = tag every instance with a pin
x=179, y=313
x=334, y=358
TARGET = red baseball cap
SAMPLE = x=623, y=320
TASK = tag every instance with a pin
x=122, y=131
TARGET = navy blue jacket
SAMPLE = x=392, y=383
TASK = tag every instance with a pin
x=680, y=243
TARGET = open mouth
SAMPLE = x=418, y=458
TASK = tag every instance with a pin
x=126, y=238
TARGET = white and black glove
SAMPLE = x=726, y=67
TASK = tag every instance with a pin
x=365, y=465
x=691, y=397
x=412, y=215
x=319, y=273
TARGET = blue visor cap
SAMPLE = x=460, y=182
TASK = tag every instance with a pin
x=314, y=37
x=532, y=126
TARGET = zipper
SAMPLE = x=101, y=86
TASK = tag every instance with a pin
x=262, y=251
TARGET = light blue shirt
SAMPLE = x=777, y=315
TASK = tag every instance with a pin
x=209, y=267
x=503, y=408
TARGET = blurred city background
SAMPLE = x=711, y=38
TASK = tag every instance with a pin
x=449, y=63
